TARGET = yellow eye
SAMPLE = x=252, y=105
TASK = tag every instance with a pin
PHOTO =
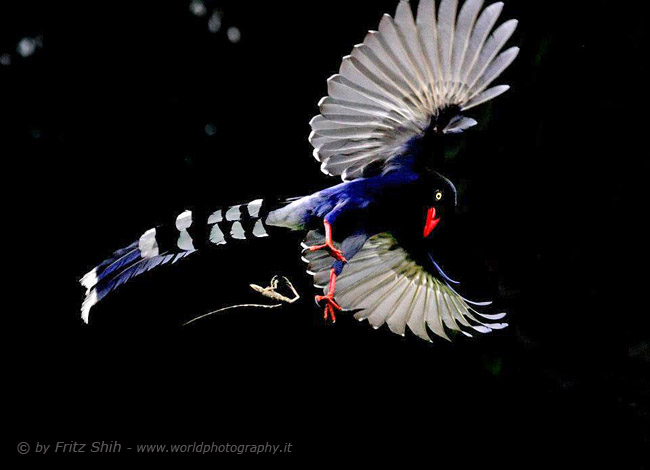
x=438, y=195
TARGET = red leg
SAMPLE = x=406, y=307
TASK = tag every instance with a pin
x=329, y=244
x=331, y=306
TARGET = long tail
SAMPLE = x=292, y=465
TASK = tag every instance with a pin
x=165, y=245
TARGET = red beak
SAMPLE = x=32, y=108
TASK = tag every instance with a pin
x=431, y=223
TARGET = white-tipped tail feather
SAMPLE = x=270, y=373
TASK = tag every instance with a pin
x=89, y=280
x=150, y=251
x=88, y=303
x=148, y=245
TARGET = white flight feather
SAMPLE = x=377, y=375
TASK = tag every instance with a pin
x=390, y=86
x=387, y=287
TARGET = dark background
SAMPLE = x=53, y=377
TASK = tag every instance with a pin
x=106, y=137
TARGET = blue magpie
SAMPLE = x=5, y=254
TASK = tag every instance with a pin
x=400, y=91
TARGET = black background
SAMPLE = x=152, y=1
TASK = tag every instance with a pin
x=105, y=138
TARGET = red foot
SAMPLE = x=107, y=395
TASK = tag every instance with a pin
x=331, y=305
x=333, y=251
x=329, y=245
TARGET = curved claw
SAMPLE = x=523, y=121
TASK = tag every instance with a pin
x=330, y=307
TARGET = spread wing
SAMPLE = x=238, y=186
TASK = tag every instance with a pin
x=387, y=286
x=391, y=86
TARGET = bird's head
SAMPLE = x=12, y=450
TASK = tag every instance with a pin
x=440, y=202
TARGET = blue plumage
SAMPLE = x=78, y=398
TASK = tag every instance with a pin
x=137, y=267
x=117, y=260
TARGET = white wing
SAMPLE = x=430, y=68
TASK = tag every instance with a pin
x=388, y=287
x=390, y=86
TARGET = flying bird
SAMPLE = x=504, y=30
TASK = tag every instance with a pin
x=396, y=95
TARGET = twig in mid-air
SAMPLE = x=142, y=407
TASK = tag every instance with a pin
x=270, y=292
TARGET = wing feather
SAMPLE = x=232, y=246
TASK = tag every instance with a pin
x=409, y=35
x=384, y=285
x=496, y=68
x=446, y=29
x=398, y=314
x=492, y=47
x=416, y=320
x=402, y=76
x=466, y=20
x=482, y=28
x=487, y=95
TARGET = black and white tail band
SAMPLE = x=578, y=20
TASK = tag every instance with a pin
x=167, y=245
